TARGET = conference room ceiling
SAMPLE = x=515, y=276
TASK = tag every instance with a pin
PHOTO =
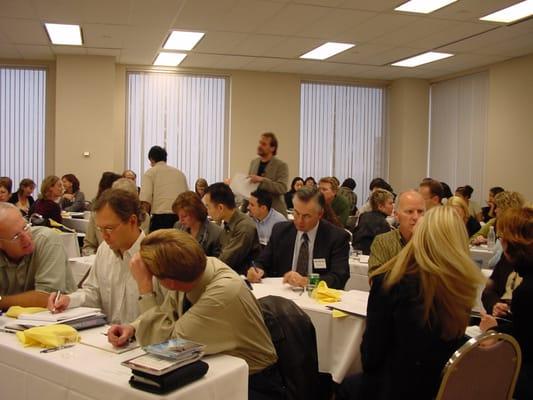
x=270, y=35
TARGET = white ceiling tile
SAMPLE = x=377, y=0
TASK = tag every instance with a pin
x=516, y=46
x=335, y=22
x=59, y=11
x=257, y=45
x=371, y=5
x=376, y=27
x=391, y=55
x=294, y=47
x=160, y=13
x=471, y=10
x=420, y=28
x=17, y=9
x=23, y=31
x=457, y=32
x=485, y=40
x=29, y=52
x=137, y=56
x=292, y=19
x=196, y=60
x=264, y=64
x=106, y=12
x=325, y=3
x=361, y=54
x=74, y=50
x=108, y=36
x=149, y=38
x=220, y=42
x=94, y=51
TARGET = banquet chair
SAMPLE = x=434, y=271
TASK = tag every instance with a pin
x=294, y=338
x=486, y=367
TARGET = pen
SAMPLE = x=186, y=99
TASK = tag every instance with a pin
x=56, y=300
x=52, y=349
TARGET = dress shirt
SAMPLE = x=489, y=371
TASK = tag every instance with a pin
x=44, y=270
x=110, y=285
x=264, y=227
x=225, y=316
x=160, y=186
x=298, y=242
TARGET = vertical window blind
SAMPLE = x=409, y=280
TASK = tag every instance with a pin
x=22, y=123
x=343, y=133
x=458, y=128
x=186, y=114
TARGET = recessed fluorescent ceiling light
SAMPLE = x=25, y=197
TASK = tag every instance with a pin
x=425, y=58
x=513, y=13
x=327, y=50
x=423, y=6
x=179, y=40
x=64, y=34
x=169, y=59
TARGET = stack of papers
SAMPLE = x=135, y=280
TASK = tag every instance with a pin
x=79, y=318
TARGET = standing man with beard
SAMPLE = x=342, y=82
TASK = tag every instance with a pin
x=270, y=172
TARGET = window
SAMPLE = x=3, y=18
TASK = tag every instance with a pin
x=186, y=114
x=343, y=133
x=22, y=123
x=458, y=127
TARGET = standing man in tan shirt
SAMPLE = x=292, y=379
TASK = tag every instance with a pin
x=270, y=172
x=160, y=186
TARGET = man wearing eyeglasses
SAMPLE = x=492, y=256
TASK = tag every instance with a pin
x=33, y=262
x=110, y=285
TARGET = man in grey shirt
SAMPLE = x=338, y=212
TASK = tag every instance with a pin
x=33, y=262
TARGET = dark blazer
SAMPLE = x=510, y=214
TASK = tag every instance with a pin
x=331, y=243
x=402, y=356
x=277, y=174
x=48, y=209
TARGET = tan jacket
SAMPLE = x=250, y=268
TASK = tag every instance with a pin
x=276, y=182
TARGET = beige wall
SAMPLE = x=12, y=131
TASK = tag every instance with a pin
x=85, y=118
x=408, y=128
x=510, y=133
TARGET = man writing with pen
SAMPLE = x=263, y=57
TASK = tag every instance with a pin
x=110, y=285
x=33, y=262
x=309, y=244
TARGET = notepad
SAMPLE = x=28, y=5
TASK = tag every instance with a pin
x=99, y=340
x=67, y=315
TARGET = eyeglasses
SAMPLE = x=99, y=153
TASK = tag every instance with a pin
x=25, y=229
x=107, y=229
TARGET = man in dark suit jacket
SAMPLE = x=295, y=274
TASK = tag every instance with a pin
x=270, y=172
x=328, y=246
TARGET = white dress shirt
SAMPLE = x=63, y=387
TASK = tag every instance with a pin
x=110, y=285
x=298, y=242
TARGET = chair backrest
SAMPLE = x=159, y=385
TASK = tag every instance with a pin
x=294, y=338
x=486, y=367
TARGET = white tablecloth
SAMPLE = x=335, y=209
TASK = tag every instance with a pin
x=80, y=265
x=70, y=243
x=83, y=373
x=481, y=255
x=338, y=339
x=78, y=224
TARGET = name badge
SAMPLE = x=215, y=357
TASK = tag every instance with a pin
x=319, y=263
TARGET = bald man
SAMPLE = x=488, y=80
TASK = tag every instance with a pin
x=33, y=262
x=410, y=206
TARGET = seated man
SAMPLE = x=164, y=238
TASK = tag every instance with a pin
x=374, y=222
x=238, y=240
x=110, y=285
x=329, y=187
x=410, y=206
x=206, y=302
x=306, y=245
x=33, y=262
x=432, y=192
x=264, y=216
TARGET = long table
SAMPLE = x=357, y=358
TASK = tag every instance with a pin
x=338, y=339
x=83, y=373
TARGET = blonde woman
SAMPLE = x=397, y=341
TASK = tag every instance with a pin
x=47, y=203
x=502, y=202
x=418, y=310
x=460, y=206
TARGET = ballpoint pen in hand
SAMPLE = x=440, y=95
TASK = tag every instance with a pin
x=56, y=300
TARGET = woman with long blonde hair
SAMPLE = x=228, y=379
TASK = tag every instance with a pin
x=418, y=309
